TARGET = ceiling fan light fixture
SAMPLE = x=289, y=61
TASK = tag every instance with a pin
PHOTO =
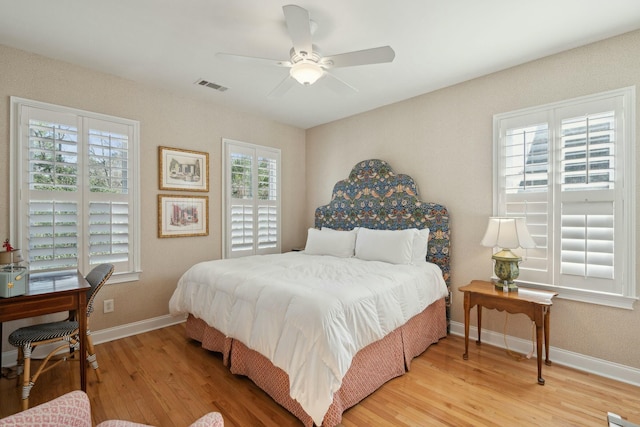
x=306, y=72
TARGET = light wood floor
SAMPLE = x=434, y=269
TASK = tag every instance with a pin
x=163, y=379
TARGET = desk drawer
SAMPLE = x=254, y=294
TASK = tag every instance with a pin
x=35, y=306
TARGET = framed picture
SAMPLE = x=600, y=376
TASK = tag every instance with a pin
x=184, y=170
x=183, y=216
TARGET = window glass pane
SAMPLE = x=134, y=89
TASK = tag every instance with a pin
x=527, y=158
x=108, y=162
x=587, y=152
x=241, y=176
x=53, y=156
x=267, y=184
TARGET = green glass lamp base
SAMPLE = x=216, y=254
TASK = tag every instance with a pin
x=507, y=270
x=507, y=287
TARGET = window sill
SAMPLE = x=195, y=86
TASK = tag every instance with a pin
x=124, y=277
x=609, y=300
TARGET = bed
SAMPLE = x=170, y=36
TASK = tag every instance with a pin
x=319, y=330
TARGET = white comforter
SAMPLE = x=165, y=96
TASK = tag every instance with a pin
x=308, y=314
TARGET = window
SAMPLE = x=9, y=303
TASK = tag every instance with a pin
x=568, y=169
x=252, y=199
x=75, y=173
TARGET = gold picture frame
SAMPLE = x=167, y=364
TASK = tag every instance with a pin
x=183, y=216
x=183, y=170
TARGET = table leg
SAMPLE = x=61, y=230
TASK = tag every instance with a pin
x=467, y=308
x=539, y=328
x=82, y=331
x=546, y=335
x=479, y=310
x=1, y=344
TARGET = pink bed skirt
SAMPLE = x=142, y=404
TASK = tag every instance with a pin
x=372, y=366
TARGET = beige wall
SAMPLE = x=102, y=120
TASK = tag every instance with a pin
x=165, y=119
x=444, y=140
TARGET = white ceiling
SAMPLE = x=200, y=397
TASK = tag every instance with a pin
x=172, y=44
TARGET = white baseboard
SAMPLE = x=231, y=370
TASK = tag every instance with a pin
x=105, y=335
x=626, y=374
x=604, y=368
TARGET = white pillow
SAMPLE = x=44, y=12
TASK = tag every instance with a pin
x=420, y=245
x=330, y=242
x=394, y=246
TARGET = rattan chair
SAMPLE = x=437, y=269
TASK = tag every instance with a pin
x=28, y=338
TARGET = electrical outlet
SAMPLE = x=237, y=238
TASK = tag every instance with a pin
x=108, y=306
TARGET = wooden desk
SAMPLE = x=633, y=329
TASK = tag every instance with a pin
x=49, y=293
x=534, y=303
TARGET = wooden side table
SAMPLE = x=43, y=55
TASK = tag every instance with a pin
x=534, y=303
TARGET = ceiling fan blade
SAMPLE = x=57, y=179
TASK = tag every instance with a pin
x=282, y=88
x=299, y=27
x=337, y=85
x=253, y=60
x=374, y=55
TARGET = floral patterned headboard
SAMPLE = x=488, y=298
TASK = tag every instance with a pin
x=374, y=196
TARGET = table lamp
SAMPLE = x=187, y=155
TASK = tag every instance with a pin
x=507, y=234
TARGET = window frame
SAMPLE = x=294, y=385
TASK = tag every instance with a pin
x=625, y=165
x=227, y=149
x=17, y=216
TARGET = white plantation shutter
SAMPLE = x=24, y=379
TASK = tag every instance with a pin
x=53, y=234
x=587, y=165
x=78, y=184
x=267, y=202
x=566, y=168
x=109, y=232
x=252, y=199
x=267, y=226
x=110, y=224
x=587, y=245
x=241, y=228
x=525, y=192
x=242, y=201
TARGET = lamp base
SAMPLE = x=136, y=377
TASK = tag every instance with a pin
x=506, y=269
x=506, y=287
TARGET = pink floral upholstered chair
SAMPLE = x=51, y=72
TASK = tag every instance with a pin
x=212, y=419
x=73, y=410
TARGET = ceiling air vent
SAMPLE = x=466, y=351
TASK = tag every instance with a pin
x=215, y=86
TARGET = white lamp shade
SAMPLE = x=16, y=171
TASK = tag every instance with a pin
x=507, y=233
x=306, y=72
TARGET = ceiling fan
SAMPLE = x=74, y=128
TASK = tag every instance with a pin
x=306, y=63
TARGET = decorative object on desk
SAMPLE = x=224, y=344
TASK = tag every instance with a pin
x=12, y=276
x=184, y=170
x=507, y=234
x=7, y=245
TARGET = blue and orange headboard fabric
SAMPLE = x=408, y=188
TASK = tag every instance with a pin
x=375, y=197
